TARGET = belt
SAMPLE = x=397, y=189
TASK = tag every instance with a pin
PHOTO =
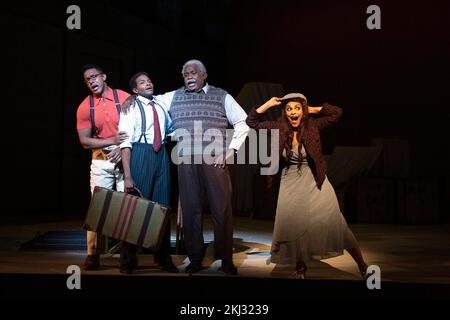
x=99, y=154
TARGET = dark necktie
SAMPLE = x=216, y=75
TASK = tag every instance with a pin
x=157, y=141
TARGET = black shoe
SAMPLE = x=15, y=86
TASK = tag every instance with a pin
x=300, y=270
x=126, y=269
x=92, y=262
x=168, y=266
x=128, y=258
x=194, y=267
x=228, y=268
x=365, y=275
x=165, y=263
x=134, y=262
x=363, y=271
x=127, y=265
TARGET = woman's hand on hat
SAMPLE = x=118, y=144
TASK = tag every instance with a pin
x=272, y=102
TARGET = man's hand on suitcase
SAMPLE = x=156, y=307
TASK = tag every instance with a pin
x=129, y=185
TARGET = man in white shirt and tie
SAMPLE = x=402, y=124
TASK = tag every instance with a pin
x=145, y=161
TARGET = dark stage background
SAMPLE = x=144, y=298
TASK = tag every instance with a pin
x=393, y=83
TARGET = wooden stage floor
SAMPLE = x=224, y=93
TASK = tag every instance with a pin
x=414, y=262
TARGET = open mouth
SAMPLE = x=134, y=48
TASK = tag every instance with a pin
x=294, y=120
x=191, y=83
x=94, y=87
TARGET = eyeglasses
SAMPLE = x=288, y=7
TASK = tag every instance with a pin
x=91, y=77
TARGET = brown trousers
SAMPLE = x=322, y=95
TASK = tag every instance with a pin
x=194, y=181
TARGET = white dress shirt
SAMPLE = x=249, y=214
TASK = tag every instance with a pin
x=235, y=114
x=131, y=122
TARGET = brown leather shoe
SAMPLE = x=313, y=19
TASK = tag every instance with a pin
x=92, y=262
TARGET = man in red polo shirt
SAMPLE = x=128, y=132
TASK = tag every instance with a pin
x=97, y=125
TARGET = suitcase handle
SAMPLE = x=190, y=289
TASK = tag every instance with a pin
x=136, y=192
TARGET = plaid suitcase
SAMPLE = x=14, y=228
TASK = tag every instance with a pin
x=126, y=217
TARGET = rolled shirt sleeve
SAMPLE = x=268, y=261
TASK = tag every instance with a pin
x=236, y=117
x=164, y=101
x=127, y=124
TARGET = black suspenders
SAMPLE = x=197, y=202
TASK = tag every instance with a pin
x=143, y=126
x=143, y=122
x=94, y=129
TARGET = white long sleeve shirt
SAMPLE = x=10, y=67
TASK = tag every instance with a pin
x=131, y=122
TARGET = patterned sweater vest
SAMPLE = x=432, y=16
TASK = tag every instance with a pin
x=200, y=121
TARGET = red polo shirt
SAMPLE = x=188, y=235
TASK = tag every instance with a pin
x=105, y=113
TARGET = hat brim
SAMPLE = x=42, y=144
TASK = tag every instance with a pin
x=291, y=96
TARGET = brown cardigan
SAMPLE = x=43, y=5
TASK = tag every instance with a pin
x=328, y=116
